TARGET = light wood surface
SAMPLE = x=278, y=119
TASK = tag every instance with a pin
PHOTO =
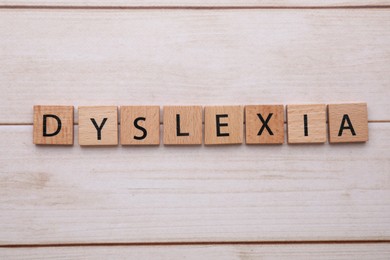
x=200, y=193
x=190, y=52
x=193, y=57
x=234, y=252
x=196, y=3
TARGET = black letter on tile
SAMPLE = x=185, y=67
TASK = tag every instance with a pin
x=178, y=133
x=145, y=133
x=265, y=124
x=305, y=125
x=219, y=124
x=45, y=125
x=99, y=128
x=342, y=126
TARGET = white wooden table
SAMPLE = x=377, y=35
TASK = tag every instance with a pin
x=230, y=202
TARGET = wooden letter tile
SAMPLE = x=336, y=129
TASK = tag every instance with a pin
x=98, y=125
x=182, y=125
x=140, y=125
x=224, y=124
x=306, y=123
x=348, y=123
x=53, y=125
x=264, y=124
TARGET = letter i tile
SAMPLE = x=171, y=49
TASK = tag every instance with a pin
x=306, y=123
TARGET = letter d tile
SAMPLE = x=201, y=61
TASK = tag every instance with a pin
x=53, y=125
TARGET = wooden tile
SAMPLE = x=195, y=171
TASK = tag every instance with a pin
x=140, y=125
x=306, y=123
x=348, y=123
x=182, y=125
x=224, y=125
x=98, y=125
x=53, y=125
x=264, y=124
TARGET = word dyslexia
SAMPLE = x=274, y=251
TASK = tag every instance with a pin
x=183, y=125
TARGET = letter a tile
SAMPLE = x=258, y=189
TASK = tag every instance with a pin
x=264, y=124
x=53, y=125
x=224, y=125
x=140, y=125
x=306, y=124
x=348, y=123
x=182, y=125
x=98, y=125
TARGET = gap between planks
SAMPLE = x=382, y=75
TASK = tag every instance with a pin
x=208, y=243
x=28, y=124
x=158, y=7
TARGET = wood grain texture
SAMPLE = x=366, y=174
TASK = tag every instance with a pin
x=234, y=252
x=194, y=57
x=91, y=52
x=203, y=193
x=196, y=3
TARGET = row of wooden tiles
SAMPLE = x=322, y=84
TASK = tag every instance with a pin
x=182, y=125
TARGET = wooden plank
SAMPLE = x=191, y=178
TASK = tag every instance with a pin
x=177, y=194
x=195, y=3
x=370, y=251
x=192, y=57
